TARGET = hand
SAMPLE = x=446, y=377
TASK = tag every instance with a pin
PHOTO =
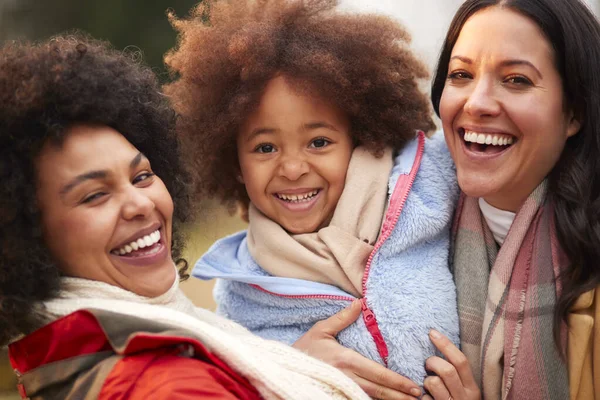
x=375, y=379
x=454, y=378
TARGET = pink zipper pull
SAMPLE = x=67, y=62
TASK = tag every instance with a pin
x=373, y=328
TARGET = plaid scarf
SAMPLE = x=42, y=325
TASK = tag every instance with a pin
x=506, y=301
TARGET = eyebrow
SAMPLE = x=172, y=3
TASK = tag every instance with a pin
x=259, y=131
x=99, y=174
x=307, y=127
x=319, y=124
x=505, y=63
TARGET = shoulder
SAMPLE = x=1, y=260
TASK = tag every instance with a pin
x=437, y=154
x=425, y=152
x=429, y=165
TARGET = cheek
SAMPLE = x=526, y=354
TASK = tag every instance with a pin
x=76, y=239
x=335, y=172
x=449, y=104
x=256, y=176
x=163, y=200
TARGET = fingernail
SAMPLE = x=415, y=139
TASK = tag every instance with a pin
x=435, y=334
x=415, y=392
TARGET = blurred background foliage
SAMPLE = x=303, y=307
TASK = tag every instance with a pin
x=124, y=23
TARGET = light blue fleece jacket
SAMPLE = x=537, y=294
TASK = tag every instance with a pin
x=409, y=288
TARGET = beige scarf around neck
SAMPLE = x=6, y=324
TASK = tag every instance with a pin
x=336, y=254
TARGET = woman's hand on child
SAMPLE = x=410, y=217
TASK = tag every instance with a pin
x=376, y=380
x=453, y=376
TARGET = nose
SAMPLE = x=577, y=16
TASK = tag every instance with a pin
x=293, y=166
x=136, y=203
x=482, y=101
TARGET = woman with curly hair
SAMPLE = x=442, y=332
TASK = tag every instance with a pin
x=88, y=235
x=308, y=117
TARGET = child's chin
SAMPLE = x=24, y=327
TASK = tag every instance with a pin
x=301, y=227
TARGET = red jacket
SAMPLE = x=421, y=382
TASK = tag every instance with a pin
x=99, y=355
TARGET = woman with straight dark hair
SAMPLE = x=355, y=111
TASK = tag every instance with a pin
x=517, y=92
x=524, y=71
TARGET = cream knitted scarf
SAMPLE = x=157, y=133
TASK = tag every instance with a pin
x=336, y=254
x=277, y=371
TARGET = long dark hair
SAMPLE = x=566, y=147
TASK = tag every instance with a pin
x=574, y=182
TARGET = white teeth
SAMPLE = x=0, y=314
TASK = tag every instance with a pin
x=488, y=139
x=297, y=198
x=142, y=242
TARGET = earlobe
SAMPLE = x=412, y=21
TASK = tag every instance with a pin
x=574, y=126
x=240, y=178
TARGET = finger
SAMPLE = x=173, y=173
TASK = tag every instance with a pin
x=427, y=397
x=381, y=392
x=448, y=374
x=436, y=388
x=381, y=376
x=455, y=357
x=340, y=321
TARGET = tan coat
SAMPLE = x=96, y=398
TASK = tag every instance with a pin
x=584, y=347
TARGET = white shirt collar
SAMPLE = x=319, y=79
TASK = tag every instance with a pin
x=499, y=221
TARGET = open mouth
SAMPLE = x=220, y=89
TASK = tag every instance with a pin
x=489, y=143
x=144, y=246
x=298, y=198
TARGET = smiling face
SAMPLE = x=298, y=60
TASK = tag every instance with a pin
x=294, y=152
x=502, y=107
x=105, y=215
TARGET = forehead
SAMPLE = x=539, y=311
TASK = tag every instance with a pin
x=283, y=94
x=496, y=33
x=84, y=148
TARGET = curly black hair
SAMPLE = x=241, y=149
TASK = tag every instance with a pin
x=45, y=88
x=230, y=49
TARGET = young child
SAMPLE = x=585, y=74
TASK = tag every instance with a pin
x=307, y=117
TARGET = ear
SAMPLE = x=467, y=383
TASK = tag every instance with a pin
x=240, y=178
x=574, y=125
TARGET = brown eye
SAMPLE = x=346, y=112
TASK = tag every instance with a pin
x=458, y=75
x=518, y=80
x=265, y=148
x=319, y=143
x=92, y=197
x=142, y=177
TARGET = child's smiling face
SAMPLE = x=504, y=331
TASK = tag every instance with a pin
x=294, y=151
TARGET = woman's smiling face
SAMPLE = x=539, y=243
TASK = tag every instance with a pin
x=502, y=107
x=105, y=215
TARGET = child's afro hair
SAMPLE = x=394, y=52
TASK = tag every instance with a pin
x=229, y=50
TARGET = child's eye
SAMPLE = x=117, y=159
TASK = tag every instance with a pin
x=320, y=142
x=265, y=148
x=144, y=176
